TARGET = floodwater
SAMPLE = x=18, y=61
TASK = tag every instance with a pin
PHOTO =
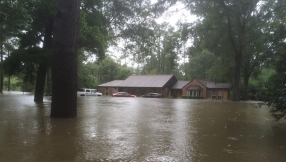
x=139, y=129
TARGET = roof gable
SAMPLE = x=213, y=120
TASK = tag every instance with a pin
x=210, y=84
x=180, y=84
x=204, y=82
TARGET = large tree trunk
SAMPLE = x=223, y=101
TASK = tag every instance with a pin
x=245, y=81
x=42, y=69
x=236, y=84
x=48, y=82
x=247, y=71
x=40, y=83
x=64, y=68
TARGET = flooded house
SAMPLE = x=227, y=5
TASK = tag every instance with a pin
x=167, y=85
x=207, y=89
x=140, y=85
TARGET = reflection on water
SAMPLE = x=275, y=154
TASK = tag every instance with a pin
x=139, y=129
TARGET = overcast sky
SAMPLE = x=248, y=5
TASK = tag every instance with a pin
x=175, y=14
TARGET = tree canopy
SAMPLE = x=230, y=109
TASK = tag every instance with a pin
x=232, y=41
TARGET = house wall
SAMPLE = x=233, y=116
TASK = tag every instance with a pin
x=108, y=91
x=195, y=83
x=207, y=93
x=176, y=93
x=101, y=90
x=217, y=93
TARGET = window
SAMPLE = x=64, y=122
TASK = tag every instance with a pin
x=194, y=93
x=81, y=90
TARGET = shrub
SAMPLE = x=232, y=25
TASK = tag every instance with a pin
x=192, y=97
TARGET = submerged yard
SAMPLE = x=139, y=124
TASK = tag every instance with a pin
x=140, y=129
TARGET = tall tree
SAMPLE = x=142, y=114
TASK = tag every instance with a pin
x=108, y=69
x=200, y=63
x=232, y=26
x=275, y=88
x=171, y=50
x=275, y=92
x=64, y=68
x=43, y=19
x=13, y=20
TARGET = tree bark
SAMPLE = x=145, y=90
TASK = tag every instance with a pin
x=48, y=82
x=40, y=83
x=247, y=71
x=246, y=81
x=64, y=67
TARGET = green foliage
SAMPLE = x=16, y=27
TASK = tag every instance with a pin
x=19, y=58
x=237, y=32
x=274, y=94
x=199, y=63
x=93, y=26
x=275, y=90
x=108, y=69
x=92, y=74
x=15, y=84
x=257, y=83
x=124, y=72
x=171, y=47
x=88, y=75
x=191, y=97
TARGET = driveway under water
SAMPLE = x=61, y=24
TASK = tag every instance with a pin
x=140, y=129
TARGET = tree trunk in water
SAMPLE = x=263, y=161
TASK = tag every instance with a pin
x=236, y=84
x=9, y=77
x=64, y=68
x=1, y=80
x=1, y=71
x=42, y=69
x=48, y=82
x=245, y=81
x=40, y=83
x=9, y=83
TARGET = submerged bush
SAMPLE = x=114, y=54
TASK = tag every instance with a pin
x=192, y=97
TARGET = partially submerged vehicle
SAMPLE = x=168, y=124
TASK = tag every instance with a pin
x=153, y=95
x=88, y=92
x=122, y=94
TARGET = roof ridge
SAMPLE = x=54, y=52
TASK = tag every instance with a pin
x=204, y=80
x=154, y=75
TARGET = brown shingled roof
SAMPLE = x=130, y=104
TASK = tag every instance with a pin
x=147, y=81
x=204, y=82
x=210, y=84
x=114, y=83
x=219, y=85
x=154, y=81
x=180, y=84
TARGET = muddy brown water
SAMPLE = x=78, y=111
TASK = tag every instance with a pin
x=139, y=129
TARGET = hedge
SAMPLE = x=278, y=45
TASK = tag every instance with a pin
x=192, y=97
